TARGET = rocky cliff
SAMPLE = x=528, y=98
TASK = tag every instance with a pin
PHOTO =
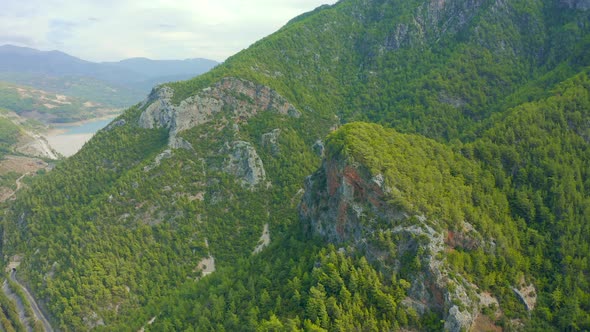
x=245, y=164
x=235, y=99
x=232, y=102
x=347, y=204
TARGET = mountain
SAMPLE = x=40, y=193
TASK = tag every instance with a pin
x=373, y=165
x=115, y=84
x=52, y=63
x=16, y=59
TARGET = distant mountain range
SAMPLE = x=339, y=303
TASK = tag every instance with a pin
x=116, y=84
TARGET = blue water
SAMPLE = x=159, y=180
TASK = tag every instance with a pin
x=86, y=128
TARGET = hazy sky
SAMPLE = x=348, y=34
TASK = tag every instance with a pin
x=106, y=30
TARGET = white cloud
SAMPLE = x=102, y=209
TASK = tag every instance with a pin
x=104, y=30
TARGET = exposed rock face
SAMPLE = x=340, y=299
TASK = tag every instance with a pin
x=160, y=111
x=339, y=196
x=206, y=266
x=115, y=124
x=527, y=294
x=264, y=240
x=164, y=155
x=245, y=164
x=345, y=203
x=33, y=144
x=318, y=148
x=432, y=20
x=435, y=20
x=237, y=98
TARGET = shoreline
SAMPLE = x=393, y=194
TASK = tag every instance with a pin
x=67, y=144
x=53, y=130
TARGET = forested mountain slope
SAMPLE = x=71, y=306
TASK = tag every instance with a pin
x=466, y=207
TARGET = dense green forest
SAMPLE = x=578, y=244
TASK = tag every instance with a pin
x=482, y=141
x=541, y=158
x=9, y=136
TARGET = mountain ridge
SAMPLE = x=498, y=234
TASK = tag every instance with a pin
x=128, y=80
x=8, y=49
x=495, y=195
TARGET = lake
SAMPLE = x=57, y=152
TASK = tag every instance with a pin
x=69, y=139
x=84, y=128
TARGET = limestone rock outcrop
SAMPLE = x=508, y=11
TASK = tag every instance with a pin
x=244, y=163
x=237, y=99
x=346, y=204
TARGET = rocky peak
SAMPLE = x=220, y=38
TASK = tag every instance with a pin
x=159, y=109
x=337, y=199
x=236, y=98
x=346, y=204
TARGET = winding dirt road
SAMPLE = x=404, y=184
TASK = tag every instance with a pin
x=18, y=186
x=18, y=182
x=36, y=311
x=19, y=304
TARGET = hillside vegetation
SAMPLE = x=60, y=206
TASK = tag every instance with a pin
x=49, y=107
x=419, y=164
x=9, y=133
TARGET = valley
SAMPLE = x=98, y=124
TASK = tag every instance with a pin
x=52, y=110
